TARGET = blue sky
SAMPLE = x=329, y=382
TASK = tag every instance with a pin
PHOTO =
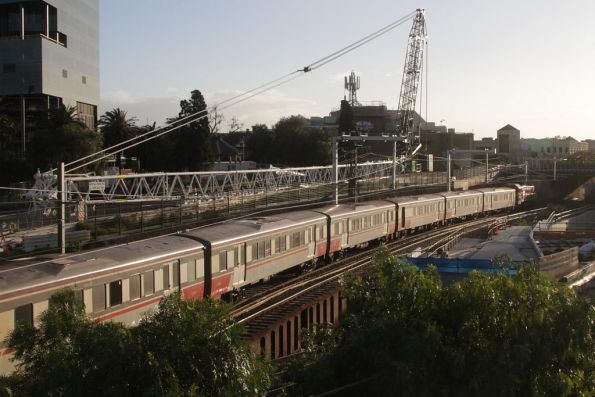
x=491, y=63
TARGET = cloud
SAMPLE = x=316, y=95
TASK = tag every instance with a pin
x=266, y=108
x=119, y=96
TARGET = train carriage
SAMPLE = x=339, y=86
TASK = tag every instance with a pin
x=352, y=225
x=462, y=204
x=118, y=283
x=248, y=250
x=498, y=198
x=414, y=212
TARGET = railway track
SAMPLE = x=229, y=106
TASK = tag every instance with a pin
x=272, y=302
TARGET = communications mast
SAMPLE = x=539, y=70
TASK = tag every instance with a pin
x=412, y=73
x=352, y=85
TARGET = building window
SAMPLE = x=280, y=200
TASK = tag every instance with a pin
x=9, y=68
x=148, y=283
x=23, y=315
x=84, y=79
x=135, y=286
x=99, y=298
x=65, y=73
x=115, y=293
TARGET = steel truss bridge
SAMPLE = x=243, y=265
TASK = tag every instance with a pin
x=205, y=185
x=208, y=185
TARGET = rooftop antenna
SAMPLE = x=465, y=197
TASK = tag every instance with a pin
x=352, y=84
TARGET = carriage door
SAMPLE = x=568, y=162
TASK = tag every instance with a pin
x=239, y=261
x=403, y=218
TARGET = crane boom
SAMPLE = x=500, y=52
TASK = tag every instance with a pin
x=412, y=72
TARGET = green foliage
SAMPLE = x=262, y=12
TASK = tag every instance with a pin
x=116, y=127
x=62, y=137
x=207, y=355
x=292, y=141
x=346, y=118
x=183, y=349
x=492, y=335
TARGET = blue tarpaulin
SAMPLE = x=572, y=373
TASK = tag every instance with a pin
x=457, y=265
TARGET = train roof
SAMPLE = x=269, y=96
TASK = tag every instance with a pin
x=352, y=208
x=415, y=199
x=245, y=228
x=495, y=189
x=461, y=193
x=36, y=272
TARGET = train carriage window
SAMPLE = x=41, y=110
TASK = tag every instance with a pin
x=260, y=249
x=267, y=248
x=176, y=274
x=336, y=227
x=254, y=251
x=115, y=293
x=99, y=298
x=191, y=266
x=148, y=283
x=200, y=268
x=302, y=237
x=281, y=243
x=295, y=240
x=23, y=315
x=79, y=294
x=236, y=256
x=166, y=283
x=307, y=234
x=223, y=260
x=135, y=286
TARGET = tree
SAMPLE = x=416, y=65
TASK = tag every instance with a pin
x=215, y=119
x=186, y=348
x=207, y=354
x=192, y=150
x=491, y=334
x=346, y=118
x=62, y=137
x=68, y=354
x=116, y=127
x=235, y=125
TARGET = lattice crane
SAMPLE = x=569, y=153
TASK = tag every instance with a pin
x=412, y=73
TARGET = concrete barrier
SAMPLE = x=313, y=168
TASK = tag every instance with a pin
x=559, y=264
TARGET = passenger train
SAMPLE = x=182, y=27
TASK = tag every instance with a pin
x=122, y=282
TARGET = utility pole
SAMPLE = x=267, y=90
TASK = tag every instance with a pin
x=487, y=166
x=448, y=172
x=62, y=209
x=335, y=172
x=526, y=171
x=395, y=165
x=555, y=163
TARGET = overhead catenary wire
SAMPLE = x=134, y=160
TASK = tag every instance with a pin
x=238, y=98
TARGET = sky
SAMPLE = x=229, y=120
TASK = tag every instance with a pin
x=528, y=63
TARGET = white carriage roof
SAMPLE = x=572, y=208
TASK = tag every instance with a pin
x=415, y=199
x=36, y=272
x=253, y=227
x=353, y=208
x=461, y=193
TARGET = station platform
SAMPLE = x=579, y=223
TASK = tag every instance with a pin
x=515, y=241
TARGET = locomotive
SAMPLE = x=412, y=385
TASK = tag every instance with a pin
x=122, y=282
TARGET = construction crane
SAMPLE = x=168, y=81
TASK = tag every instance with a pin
x=412, y=72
